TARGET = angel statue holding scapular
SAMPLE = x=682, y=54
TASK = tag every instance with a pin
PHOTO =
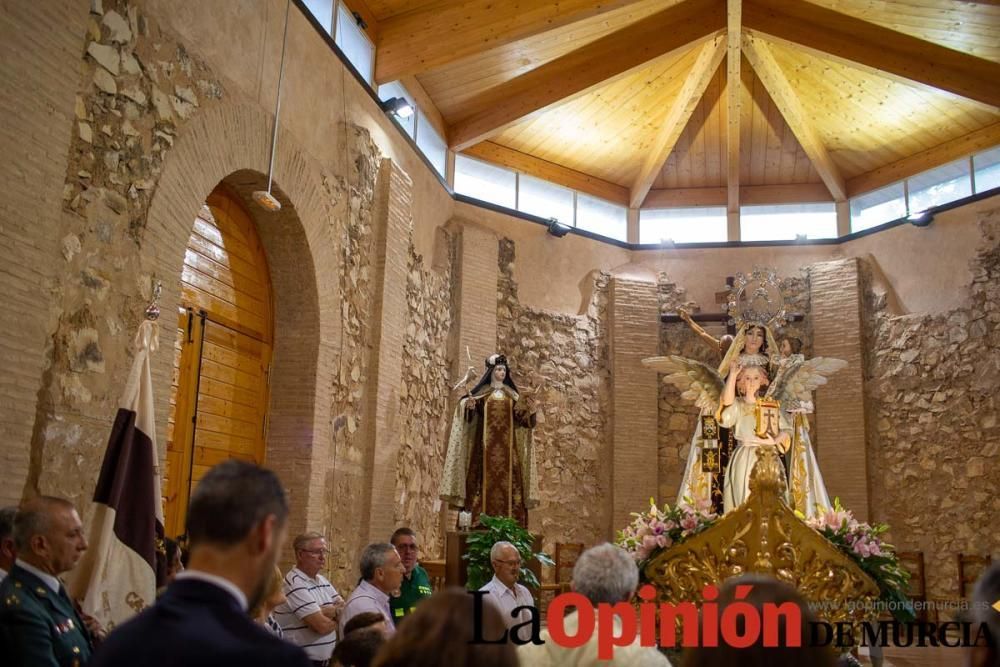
x=490, y=463
x=752, y=395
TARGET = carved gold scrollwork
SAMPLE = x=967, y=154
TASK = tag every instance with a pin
x=764, y=535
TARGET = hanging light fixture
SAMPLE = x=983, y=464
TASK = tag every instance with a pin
x=264, y=198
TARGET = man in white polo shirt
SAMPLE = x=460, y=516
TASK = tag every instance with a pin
x=381, y=574
x=309, y=615
x=504, y=592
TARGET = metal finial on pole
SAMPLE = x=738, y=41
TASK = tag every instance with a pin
x=153, y=309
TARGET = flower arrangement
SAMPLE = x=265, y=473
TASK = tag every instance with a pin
x=865, y=545
x=660, y=528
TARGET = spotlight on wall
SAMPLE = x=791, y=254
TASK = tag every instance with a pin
x=398, y=106
x=558, y=229
x=266, y=200
x=921, y=218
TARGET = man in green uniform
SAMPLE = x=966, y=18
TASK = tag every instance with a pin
x=38, y=625
x=416, y=584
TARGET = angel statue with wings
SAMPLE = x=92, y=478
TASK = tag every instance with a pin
x=760, y=400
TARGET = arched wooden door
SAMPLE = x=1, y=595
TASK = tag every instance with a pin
x=222, y=354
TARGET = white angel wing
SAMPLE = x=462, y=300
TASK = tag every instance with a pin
x=698, y=382
x=797, y=381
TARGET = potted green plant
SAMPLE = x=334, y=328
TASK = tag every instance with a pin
x=495, y=529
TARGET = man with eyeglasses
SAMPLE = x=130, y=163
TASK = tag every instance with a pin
x=416, y=584
x=504, y=592
x=312, y=607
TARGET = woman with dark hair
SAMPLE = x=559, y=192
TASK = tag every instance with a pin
x=765, y=591
x=441, y=631
x=489, y=466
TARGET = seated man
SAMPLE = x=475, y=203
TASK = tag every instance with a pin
x=505, y=594
x=381, y=574
x=416, y=584
x=38, y=623
x=603, y=573
x=236, y=525
x=309, y=614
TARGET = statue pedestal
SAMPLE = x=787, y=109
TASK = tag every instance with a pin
x=456, y=568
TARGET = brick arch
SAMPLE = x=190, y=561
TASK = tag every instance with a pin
x=232, y=144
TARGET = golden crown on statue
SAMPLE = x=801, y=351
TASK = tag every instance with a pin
x=756, y=299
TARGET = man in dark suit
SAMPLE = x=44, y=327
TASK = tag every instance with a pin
x=39, y=626
x=236, y=526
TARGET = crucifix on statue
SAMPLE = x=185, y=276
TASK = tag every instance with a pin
x=722, y=343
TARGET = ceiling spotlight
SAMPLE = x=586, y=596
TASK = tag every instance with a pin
x=558, y=229
x=398, y=106
x=921, y=218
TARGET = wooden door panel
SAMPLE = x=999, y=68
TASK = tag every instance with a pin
x=222, y=352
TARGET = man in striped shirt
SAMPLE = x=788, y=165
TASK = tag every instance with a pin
x=310, y=613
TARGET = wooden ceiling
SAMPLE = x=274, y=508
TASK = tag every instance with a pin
x=631, y=100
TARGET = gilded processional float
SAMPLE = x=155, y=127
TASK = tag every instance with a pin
x=752, y=499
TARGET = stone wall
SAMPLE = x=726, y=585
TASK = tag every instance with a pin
x=138, y=86
x=425, y=401
x=346, y=479
x=567, y=356
x=934, y=436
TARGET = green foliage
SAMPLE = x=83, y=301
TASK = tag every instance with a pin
x=499, y=529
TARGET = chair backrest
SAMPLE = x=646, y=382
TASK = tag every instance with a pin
x=913, y=561
x=566, y=555
x=435, y=572
x=970, y=568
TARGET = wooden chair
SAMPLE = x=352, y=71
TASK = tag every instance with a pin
x=435, y=572
x=565, y=558
x=970, y=568
x=566, y=555
x=913, y=562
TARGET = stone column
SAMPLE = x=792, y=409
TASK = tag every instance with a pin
x=835, y=297
x=634, y=335
x=392, y=237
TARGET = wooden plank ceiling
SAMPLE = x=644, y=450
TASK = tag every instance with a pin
x=629, y=99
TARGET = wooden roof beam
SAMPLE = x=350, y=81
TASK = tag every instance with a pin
x=663, y=34
x=426, y=104
x=697, y=80
x=734, y=97
x=548, y=171
x=759, y=55
x=800, y=193
x=445, y=31
x=876, y=48
x=963, y=146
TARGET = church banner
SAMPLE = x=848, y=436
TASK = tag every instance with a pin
x=117, y=577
